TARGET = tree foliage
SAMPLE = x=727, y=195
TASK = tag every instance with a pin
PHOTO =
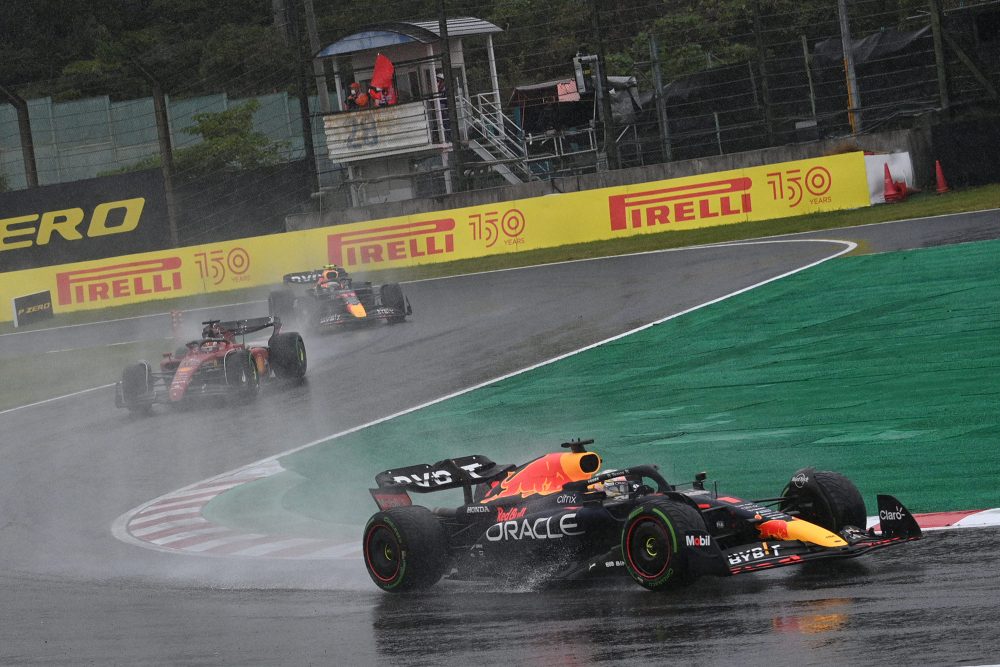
x=229, y=143
x=79, y=48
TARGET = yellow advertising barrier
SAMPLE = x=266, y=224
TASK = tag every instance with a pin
x=746, y=195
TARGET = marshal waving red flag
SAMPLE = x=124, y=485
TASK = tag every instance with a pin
x=382, y=74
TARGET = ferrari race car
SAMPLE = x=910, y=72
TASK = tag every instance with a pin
x=217, y=364
x=559, y=517
x=330, y=297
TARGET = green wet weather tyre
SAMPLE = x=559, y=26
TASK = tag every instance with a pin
x=287, y=355
x=405, y=549
x=653, y=543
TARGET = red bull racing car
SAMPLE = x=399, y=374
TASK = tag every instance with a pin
x=329, y=297
x=560, y=517
x=220, y=363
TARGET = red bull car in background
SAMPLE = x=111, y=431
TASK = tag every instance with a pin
x=329, y=297
x=220, y=363
x=559, y=517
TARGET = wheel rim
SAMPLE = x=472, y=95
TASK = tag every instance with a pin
x=383, y=553
x=649, y=548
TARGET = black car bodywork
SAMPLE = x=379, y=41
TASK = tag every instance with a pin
x=558, y=517
x=319, y=304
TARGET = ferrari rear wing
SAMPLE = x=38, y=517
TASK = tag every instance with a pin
x=463, y=472
x=248, y=326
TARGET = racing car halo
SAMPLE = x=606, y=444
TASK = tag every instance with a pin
x=217, y=364
x=560, y=518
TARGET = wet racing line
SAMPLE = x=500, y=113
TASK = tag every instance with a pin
x=175, y=522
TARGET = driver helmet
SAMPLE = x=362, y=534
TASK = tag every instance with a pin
x=332, y=273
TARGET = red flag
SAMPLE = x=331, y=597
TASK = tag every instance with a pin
x=382, y=74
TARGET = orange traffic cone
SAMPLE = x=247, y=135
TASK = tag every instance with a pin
x=892, y=192
x=942, y=185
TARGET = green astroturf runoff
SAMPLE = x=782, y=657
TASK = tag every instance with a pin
x=883, y=367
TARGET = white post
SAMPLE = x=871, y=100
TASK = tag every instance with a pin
x=339, y=85
x=493, y=70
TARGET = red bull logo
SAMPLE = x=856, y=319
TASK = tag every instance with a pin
x=775, y=529
x=547, y=474
x=392, y=243
x=685, y=203
x=510, y=514
x=151, y=276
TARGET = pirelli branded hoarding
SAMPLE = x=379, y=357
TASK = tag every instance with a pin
x=90, y=219
x=747, y=195
x=760, y=193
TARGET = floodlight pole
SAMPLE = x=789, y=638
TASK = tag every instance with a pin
x=27, y=143
x=603, y=93
x=166, y=149
x=302, y=79
x=449, y=79
x=853, y=98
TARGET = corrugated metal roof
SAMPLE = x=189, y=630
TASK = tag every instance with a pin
x=382, y=35
x=460, y=27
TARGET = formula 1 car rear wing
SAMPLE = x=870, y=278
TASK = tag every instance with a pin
x=249, y=326
x=219, y=329
x=302, y=277
x=463, y=472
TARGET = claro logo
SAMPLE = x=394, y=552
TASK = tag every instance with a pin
x=116, y=217
x=395, y=242
x=119, y=281
x=685, y=203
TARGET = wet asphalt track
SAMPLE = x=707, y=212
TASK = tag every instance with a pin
x=71, y=593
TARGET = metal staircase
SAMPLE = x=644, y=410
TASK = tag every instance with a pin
x=494, y=137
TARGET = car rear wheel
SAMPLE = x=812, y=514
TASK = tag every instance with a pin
x=825, y=498
x=287, y=355
x=405, y=548
x=653, y=543
x=242, y=376
x=136, y=388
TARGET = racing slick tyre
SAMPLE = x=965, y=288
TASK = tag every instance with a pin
x=392, y=297
x=281, y=304
x=241, y=375
x=136, y=387
x=653, y=543
x=287, y=355
x=825, y=498
x=405, y=549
